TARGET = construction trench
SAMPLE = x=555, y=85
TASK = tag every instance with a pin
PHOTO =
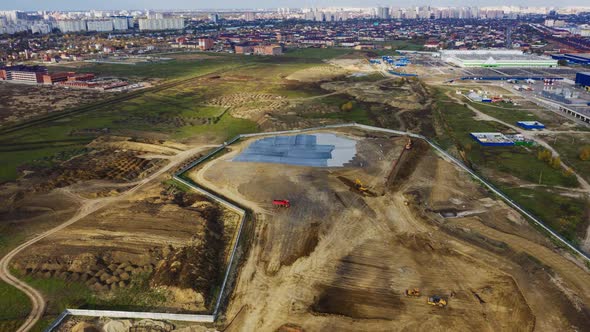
x=228, y=283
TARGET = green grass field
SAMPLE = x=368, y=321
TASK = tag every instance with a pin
x=14, y=305
x=404, y=44
x=505, y=112
x=505, y=165
x=175, y=112
x=165, y=69
x=569, y=147
x=566, y=215
x=519, y=162
x=61, y=294
x=316, y=53
x=359, y=112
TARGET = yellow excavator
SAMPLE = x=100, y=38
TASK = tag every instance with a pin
x=437, y=301
x=408, y=144
x=360, y=187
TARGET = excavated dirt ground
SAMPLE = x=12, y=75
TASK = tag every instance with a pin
x=175, y=242
x=338, y=260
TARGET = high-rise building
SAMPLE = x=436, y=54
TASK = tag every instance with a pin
x=71, y=25
x=99, y=25
x=214, y=17
x=13, y=16
x=161, y=24
x=383, y=13
x=120, y=23
x=250, y=16
x=41, y=28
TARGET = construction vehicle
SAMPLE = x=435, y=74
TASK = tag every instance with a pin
x=360, y=187
x=414, y=292
x=281, y=203
x=409, y=144
x=437, y=301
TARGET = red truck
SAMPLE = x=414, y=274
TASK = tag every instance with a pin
x=281, y=203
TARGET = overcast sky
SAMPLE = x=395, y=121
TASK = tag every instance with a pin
x=200, y=4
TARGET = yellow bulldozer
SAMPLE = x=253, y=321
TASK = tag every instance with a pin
x=414, y=292
x=360, y=187
x=437, y=301
x=408, y=144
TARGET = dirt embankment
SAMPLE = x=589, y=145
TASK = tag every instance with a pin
x=197, y=265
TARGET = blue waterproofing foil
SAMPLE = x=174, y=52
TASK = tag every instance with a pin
x=301, y=150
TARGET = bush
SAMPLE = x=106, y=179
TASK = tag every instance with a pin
x=585, y=153
x=544, y=155
x=347, y=107
x=555, y=162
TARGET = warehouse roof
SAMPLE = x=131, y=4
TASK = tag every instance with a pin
x=501, y=57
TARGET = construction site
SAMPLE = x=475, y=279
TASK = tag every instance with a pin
x=360, y=202
x=396, y=238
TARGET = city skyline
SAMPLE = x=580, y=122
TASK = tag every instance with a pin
x=33, y=5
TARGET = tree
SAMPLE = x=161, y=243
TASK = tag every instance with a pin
x=468, y=147
x=563, y=224
x=585, y=153
x=555, y=162
x=562, y=62
x=347, y=107
x=544, y=155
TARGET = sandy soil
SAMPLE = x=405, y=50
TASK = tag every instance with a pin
x=339, y=260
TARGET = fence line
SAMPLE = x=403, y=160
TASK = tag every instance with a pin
x=242, y=212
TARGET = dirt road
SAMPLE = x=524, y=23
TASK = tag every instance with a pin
x=87, y=207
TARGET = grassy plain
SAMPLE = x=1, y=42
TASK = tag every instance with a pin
x=516, y=161
x=566, y=215
x=569, y=147
x=177, y=112
x=510, y=168
x=172, y=69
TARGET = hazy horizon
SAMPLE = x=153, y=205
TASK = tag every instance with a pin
x=31, y=5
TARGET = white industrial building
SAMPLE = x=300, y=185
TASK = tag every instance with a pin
x=154, y=24
x=100, y=25
x=495, y=58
